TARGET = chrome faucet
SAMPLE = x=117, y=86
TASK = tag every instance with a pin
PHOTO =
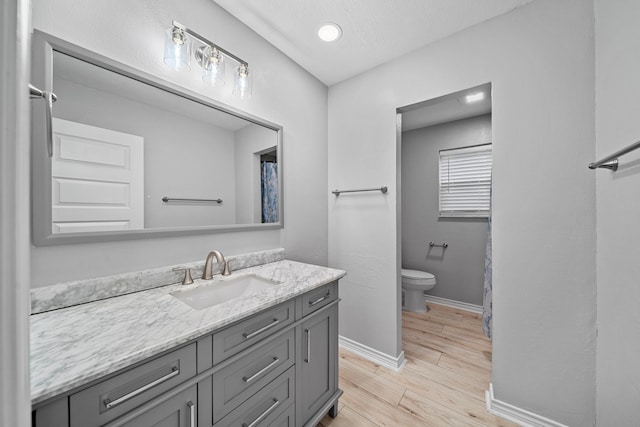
x=207, y=273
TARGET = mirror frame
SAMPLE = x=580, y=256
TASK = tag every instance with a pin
x=43, y=46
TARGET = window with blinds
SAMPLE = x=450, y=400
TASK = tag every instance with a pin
x=465, y=181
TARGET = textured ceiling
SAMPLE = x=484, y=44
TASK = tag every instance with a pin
x=374, y=31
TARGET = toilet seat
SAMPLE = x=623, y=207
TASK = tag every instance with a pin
x=418, y=277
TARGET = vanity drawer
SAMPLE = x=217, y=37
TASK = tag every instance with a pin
x=286, y=419
x=178, y=411
x=266, y=406
x=236, y=338
x=318, y=298
x=111, y=398
x=239, y=381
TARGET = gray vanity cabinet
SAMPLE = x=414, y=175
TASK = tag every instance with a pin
x=276, y=368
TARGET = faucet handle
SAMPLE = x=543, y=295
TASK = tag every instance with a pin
x=187, y=280
x=226, y=269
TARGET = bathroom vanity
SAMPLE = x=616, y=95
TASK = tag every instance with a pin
x=265, y=358
x=256, y=348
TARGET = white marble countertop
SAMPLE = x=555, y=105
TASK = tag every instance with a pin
x=75, y=345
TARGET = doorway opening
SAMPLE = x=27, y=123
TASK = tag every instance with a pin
x=444, y=231
x=269, y=186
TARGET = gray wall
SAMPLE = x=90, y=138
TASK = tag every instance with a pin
x=183, y=157
x=133, y=33
x=540, y=61
x=459, y=269
x=617, y=93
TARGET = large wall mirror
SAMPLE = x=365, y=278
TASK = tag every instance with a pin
x=125, y=155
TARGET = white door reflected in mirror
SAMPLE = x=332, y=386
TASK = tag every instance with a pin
x=96, y=179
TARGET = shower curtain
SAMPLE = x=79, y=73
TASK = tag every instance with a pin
x=487, y=303
x=269, y=184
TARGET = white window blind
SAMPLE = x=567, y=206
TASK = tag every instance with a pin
x=465, y=181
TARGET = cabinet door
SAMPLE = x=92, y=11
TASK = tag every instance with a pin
x=179, y=411
x=318, y=362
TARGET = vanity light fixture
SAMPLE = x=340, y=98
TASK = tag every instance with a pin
x=474, y=97
x=330, y=32
x=210, y=57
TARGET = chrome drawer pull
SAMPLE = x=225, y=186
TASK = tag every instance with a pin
x=308, y=332
x=255, y=422
x=111, y=403
x=261, y=330
x=319, y=300
x=192, y=414
x=261, y=371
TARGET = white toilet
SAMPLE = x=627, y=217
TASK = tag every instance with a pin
x=414, y=283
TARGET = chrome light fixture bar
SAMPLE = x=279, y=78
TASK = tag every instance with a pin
x=210, y=56
x=177, y=25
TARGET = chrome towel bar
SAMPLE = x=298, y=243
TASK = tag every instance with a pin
x=611, y=161
x=173, y=199
x=49, y=98
x=381, y=189
x=443, y=246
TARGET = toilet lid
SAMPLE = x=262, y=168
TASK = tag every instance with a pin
x=416, y=274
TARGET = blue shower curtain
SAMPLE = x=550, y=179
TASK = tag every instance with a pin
x=487, y=297
x=269, y=184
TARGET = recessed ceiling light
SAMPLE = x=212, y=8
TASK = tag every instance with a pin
x=474, y=97
x=330, y=32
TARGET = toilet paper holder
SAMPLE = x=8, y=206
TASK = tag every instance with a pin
x=443, y=245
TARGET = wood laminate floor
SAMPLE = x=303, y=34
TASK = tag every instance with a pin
x=443, y=382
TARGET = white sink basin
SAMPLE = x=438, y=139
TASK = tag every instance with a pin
x=222, y=291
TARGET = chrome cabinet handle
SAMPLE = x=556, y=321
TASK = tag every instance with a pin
x=255, y=422
x=319, y=300
x=111, y=403
x=261, y=330
x=261, y=371
x=50, y=98
x=192, y=414
x=308, y=332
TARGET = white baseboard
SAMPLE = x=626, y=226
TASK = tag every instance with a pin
x=455, y=304
x=517, y=415
x=375, y=356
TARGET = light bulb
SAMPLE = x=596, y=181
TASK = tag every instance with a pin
x=212, y=66
x=177, y=35
x=242, y=86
